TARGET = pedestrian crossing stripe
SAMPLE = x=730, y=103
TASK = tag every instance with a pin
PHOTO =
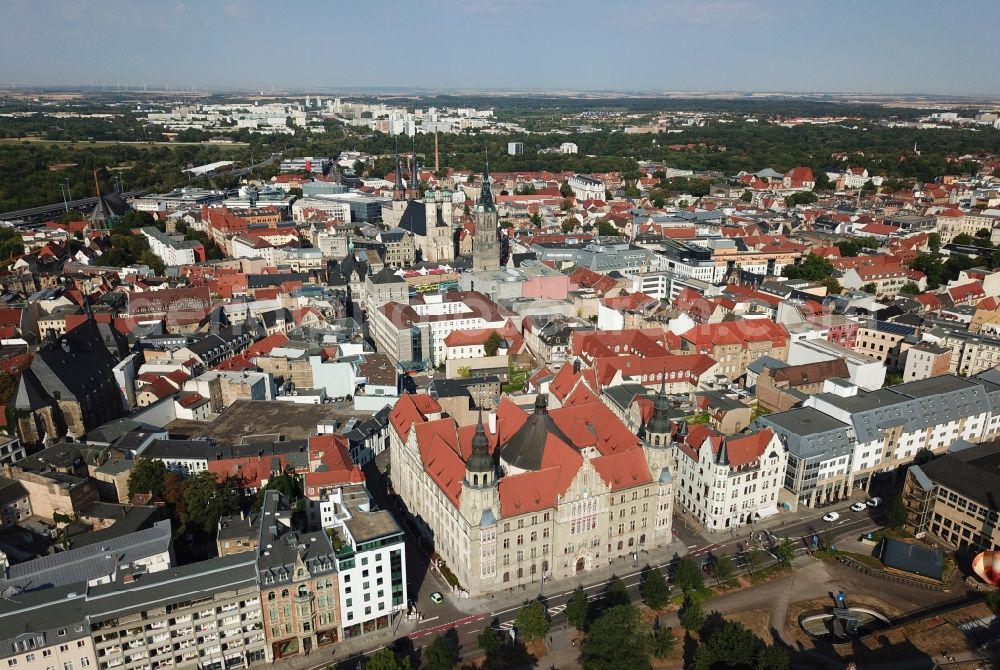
x=506, y=625
x=557, y=609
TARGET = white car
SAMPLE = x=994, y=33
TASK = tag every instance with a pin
x=858, y=507
x=874, y=502
x=437, y=598
x=832, y=516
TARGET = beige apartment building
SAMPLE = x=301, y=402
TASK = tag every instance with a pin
x=953, y=498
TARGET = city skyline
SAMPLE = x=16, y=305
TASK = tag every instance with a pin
x=722, y=45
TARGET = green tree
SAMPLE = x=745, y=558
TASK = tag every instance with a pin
x=923, y=455
x=606, y=229
x=870, y=288
x=569, y=224
x=732, y=645
x=616, y=593
x=822, y=181
x=800, y=198
x=722, y=569
x=439, y=655
x=812, y=268
x=566, y=191
x=687, y=575
x=536, y=220
x=753, y=559
x=654, y=590
x=359, y=167
x=531, y=621
x=147, y=477
x=691, y=616
x=895, y=513
x=617, y=639
x=934, y=242
x=208, y=500
x=910, y=288
x=174, y=494
x=785, y=551
x=578, y=609
x=489, y=641
x=492, y=345
x=747, y=196
x=662, y=642
x=10, y=243
x=295, y=191
x=384, y=659
x=963, y=238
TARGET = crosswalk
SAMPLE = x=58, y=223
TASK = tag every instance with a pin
x=553, y=611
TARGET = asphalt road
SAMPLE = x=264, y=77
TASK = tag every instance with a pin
x=462, y=629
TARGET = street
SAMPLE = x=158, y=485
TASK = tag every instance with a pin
x=462, y=621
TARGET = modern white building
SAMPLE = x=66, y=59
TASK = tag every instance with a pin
x=568, y=148
x=586, y=188
x=173, y=250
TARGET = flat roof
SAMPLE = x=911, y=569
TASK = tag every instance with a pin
x=290, y=420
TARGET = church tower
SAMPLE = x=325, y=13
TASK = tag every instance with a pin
x=485, y=248
x=660, y=436
x=479, y=486
x=413, y=188
x=398, y=190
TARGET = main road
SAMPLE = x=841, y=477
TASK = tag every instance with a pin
x=463, y=629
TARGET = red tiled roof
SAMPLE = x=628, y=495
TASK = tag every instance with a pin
x=623, y=470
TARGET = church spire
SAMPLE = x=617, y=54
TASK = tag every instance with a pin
x=399, y=171
x=486, y=194
x=480, y=466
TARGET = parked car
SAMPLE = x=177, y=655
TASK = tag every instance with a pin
x=437, y=598
x=858, y=507
x=831, y=516
x=874, y=502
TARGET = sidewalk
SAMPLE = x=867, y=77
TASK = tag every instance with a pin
x=508, y=598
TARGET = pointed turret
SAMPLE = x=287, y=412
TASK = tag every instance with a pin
x=659, y=422
x=480, y=469
x=723, y=456
x=398, y=190
x=486, y=203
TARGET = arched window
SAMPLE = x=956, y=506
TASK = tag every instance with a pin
x=284, y=593
x=475, y=480
x=270, y=595
x=303, y=590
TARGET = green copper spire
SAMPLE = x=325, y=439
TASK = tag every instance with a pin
x=486, y=194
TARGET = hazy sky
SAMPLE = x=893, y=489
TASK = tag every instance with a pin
x=896, y=46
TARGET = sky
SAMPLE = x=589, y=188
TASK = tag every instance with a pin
x=865, y=46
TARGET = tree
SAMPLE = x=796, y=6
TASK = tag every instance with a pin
x=691, y=616
x=578, y=609
x=569, y=224
x=812, y=268
x=822, y=181
x=870, y=288
x=753, y=559
x=722, y=569
x=536, y=220
x=174, y=490
x=147, y=476
x=654, y=590
x=616, y=640
x=934, y=242
x=208, y=500
x=800, y=198
x=606, y=229
x=983, y=233
x=785, y=551
x=439, y=655
x=663, y=642
x=963, y=238
x=747, y=196
x=616, y=593
x=295, y=191
x=384, y=659
x=359, y=168
x=489, y=641
x=923, y=455
x=732, y=645
x=687, y=575
x=492, y=345
x=11, y=244
x=531, y=621
x=566, y=191
x=895, y=513
x=910, y=288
